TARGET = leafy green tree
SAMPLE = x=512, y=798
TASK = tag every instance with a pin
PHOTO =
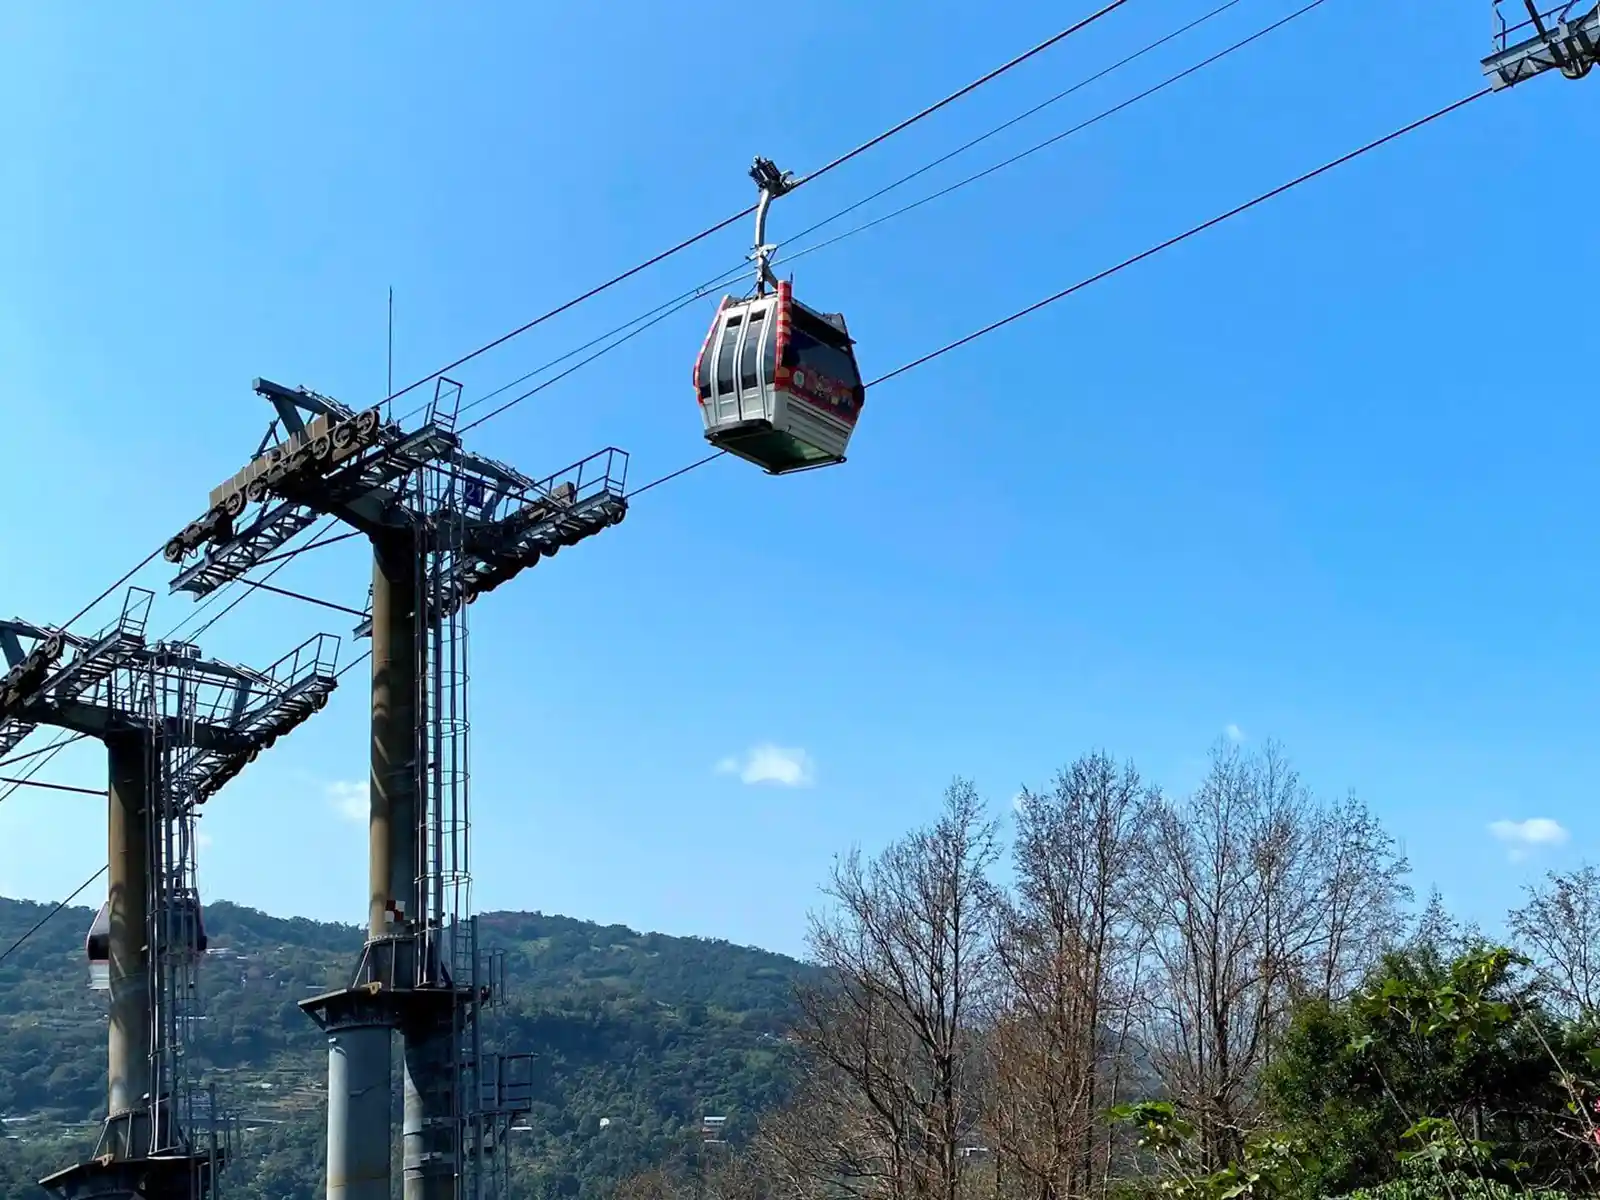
x=1419, y=1182
x=1441, y=1066
x=1269, y=1165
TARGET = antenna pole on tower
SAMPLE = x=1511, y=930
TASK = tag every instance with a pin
x=388, y=386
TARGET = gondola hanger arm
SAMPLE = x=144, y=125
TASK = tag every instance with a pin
x=773, y=183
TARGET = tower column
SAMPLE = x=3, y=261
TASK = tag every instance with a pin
x=128, y=1047
x=359, y=1088
x=360, y=1019
x=392, y=865
x=430, y=1135
x=124, y=1166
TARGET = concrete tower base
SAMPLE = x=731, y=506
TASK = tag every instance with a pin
x=158, y=1177
x=358, y=1022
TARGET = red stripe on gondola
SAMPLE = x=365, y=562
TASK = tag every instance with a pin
x=780, y=374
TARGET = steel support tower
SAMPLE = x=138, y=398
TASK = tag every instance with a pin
x=1560, y=38
x=176, y=727
x=445, y=525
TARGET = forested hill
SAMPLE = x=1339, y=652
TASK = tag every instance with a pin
x=644, y=1032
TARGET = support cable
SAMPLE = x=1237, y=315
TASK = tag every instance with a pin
x=1184, y=236
x=1087, y=123
x=127, y=575
x=922, y=360
x=711, y=285
x=47, y=752
x=1281, y=189
x=353, y=663
x=54, y=787
x=16, y=758
x=40, y=924
x=661, y=312
x=278, y=591
x=314, y=544
x=662, y=315
x=668, y=307
x=1075, y=27
x=668, y=478
x=676, y=304
x=1020, y=117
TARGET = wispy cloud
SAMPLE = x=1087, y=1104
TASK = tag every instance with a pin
x=348, y=799
x=202, y=839
x=1233, y=733
x=1019, y=802
x=781, y=765
x=1522, y=838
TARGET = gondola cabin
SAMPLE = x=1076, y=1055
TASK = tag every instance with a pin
x=778, y=383
x=98, y=947
x=184, y=937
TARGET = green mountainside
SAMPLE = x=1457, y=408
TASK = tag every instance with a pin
x=637, y=1035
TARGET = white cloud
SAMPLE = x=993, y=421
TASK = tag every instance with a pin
x=1524, y=837
x=1232, y=732
x=766, y=763
x=202, y=839
x=1019, y=801
x=348, y=799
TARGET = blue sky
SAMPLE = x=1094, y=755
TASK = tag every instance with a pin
x=1321, y=474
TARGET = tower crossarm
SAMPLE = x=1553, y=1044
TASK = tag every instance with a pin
x=485, y=482
x=513, y=521
x=270, y=530
x=362, y=494
x=93, y=663
x=13, y=732
x=1549, y=40
x=293, y=405
x=360, y=489
x=107, y=722
x=31, y=652
x=560, y=510
x=29, y=669
x=65, y=679
x=98, y=686
x=264, y=707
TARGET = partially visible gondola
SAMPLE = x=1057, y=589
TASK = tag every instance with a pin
x=181, y=934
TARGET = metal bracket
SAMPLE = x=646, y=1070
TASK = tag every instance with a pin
x=1550, y=42
x=773, y=183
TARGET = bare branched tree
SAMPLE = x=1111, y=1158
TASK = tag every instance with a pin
x=654, y=1184
x=1363, y=889
x=835, y=1138
x=708, y=1173
x=894, y=1035
x=1560, y=924
x=727, y=1173
x=966, y=1044
x=1255, y=895
x=1070, y=949
x=1211, y=997
x=1438, y=931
